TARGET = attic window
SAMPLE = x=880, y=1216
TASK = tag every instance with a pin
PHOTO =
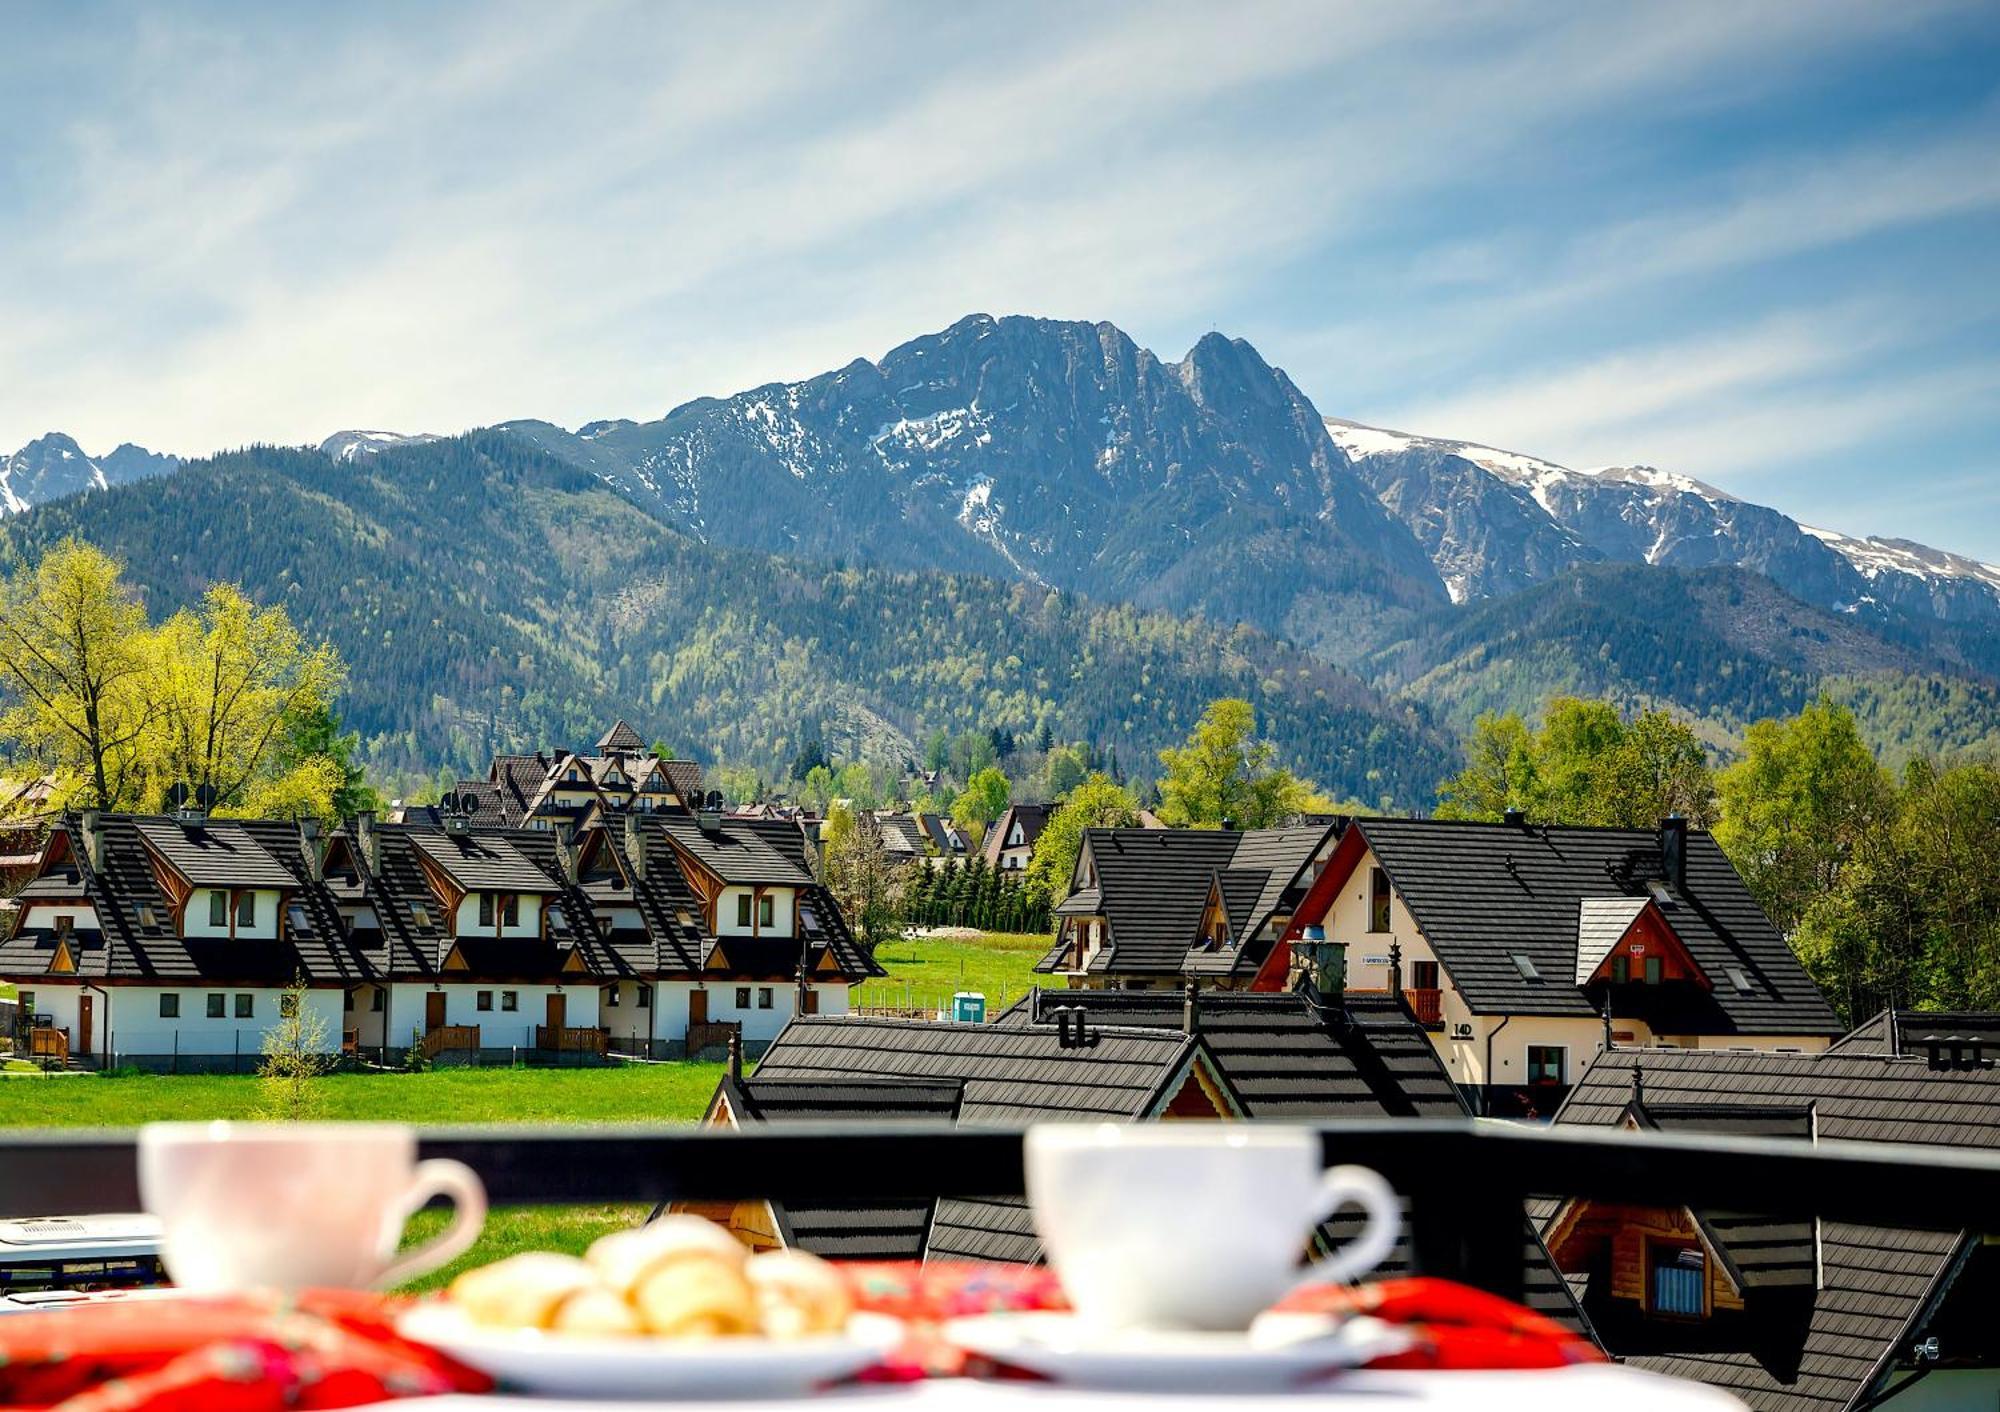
x=297, y=916
x=1525, y=965
x=147, y=916
x=421, y=915
x=1740, y=978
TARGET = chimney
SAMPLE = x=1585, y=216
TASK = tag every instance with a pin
x=309, y=848
x=1674, y=850
x=1228, y=824
x=565, y=850
x=92, y=825
x=370, y=841
x=709, y=812
x=1191, y=1008
x=1514, y=818
x=635, y=845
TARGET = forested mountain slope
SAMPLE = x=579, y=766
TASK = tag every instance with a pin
x=486, y=595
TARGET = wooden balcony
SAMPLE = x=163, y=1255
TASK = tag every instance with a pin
x=1427, y=1004
x=450, y=1037
x=570, y=1039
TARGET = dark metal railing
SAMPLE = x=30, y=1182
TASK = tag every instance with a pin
x=1465, y=1180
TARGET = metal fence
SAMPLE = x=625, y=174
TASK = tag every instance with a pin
x=1465, y=1181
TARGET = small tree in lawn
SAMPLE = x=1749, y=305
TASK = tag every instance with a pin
x=864, y=879
x=295, y=1054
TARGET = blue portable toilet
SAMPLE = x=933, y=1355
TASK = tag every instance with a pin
x=968, y=1006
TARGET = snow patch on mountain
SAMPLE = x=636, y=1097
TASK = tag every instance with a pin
x=1876, y=555
x=353, y=445
x=53, y=466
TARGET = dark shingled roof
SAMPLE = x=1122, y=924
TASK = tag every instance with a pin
x=214, y=854
x=1154, y=883
x=889, y=1230
x=1009, y=1075
x=623, y=739
x=1881, y=1288
x=1484, y=893
x=1032, y=818
x=746, y=851
x=484, y=861
x=1918, y=1032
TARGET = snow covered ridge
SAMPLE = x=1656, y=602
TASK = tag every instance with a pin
x=1870, y=556
x=353, y=445
x=54, y=466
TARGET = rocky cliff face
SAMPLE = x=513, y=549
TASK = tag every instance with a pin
x=53, y=466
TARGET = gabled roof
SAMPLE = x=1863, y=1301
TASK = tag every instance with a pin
x=1030, y=818
x=1600, y=925
x=1153, y=884
x=750, y=852
x=1877, y=1283
x=214, y=854
x=482, y=861
x=1484, y=894
x=1008, y=1075
x=623, y=739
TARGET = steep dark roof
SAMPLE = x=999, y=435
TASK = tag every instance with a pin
x=745, y=851
x=1877, y=1282
x=623, y=739
x=1009, y=1075
x=484, y=861
x=214, y=854
x=1918, y=1032
x=1486, y=893
x=1283, y=1057
x=1032, y=819
x=1154, y=883
x=137, y=942
x=684, y=776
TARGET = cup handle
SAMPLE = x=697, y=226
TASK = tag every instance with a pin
x=439, y=1176
x=1356, y=1186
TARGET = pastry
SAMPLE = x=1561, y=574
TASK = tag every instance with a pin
x=523, y=1291
x=596, y=1311
x=696, y=1296
x=798, y=1294
x=624, y=1259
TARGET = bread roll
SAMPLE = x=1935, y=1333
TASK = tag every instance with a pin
x=798, y=1294
x=624, y=1259
x=523, y=1291
x=696, y=1296
x=596, y=1311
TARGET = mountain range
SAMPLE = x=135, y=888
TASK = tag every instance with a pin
x=1409, y=580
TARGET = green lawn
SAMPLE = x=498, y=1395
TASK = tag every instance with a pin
x=926, y=971
x=640, y=1093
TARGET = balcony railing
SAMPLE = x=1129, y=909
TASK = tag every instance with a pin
x=1465, y=1180
x=450, y=1037
x=570, y=1039
x=1427, y=1004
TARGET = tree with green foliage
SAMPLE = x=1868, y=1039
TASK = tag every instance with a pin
x=1798, y=806
x=1586, y=765
x=297, y=1051
x=1063, y=769
x=1225, y=772
x=1096, y=803
x=75, y=661
x=982, y=801
x=315, y=733
x=864, y=879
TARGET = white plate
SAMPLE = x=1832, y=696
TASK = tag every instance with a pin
x=536, y=1361
x=1059, y=1347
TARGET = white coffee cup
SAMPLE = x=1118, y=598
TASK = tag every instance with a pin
x=296, y=1205
x=1194, y=1224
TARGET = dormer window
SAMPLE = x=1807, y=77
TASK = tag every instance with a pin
x=767, y=911
x=218, y=909
x=246, y=909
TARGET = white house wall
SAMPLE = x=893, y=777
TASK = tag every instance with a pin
x=528, y=924
x=195, y=922
x=781, y=912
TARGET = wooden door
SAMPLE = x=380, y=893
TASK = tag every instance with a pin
x=433, y=1010
x=558, y=1009
x=85, y=1003
x=811, y=1002
x=697, y=1008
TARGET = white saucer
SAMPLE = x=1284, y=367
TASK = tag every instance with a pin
x=533, y=1360
x=1062, y=1348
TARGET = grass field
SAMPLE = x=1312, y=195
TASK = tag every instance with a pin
x=928, y=969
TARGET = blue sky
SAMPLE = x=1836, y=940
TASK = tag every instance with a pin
x=1759, y=244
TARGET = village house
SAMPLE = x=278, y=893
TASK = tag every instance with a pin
x=1524, y=948
x=1153, y=907
x=547, y=789
x=1010, y=843
x=1796, y=1314
x=658, y=933
x=172, y=940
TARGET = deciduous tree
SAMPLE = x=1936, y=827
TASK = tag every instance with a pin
x=1226, y=772
x=1097, y=803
